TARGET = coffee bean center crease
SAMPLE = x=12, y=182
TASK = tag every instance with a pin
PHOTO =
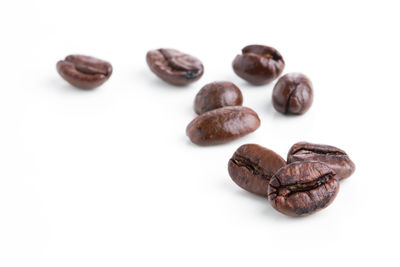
x=318, y=151
x=302, y=187
x=248, y=164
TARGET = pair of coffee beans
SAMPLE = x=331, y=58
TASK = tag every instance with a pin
x=305, y=184
x=170, y=65
x=221, y=115
x=259, y=64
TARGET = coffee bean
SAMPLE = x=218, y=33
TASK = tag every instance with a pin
x=217, y=95
x=292, y=94
x=252, y=166
x=222, y=125
x=331, y=156
x=83, y=71
x=174, y=67
x=259, y=64
x=302, y=188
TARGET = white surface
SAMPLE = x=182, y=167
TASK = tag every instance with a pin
x=108, y=178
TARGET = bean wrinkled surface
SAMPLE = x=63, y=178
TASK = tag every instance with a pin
x=332, y=156
x=303, y=188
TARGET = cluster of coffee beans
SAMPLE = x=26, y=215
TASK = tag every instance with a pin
x=305, y=184
x=258, y=64
x=221, y=117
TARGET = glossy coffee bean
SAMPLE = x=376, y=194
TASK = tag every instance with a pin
x=259, y=64
x=217, y=95
x=331, y=156
x=83, y=71
x=222, y=125
x=252, y=166
x=174, y=67
x=292, y=94
x=303, y=188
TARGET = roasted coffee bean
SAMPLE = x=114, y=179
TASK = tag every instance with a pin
x=83, y=71
x=222, y=125
x=174, y=67
x=302, y=188
x=292, y=94
x=259, y=64
x=331, y=156
x=252, y=166
x=217, y=95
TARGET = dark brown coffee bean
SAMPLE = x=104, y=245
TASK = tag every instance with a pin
x=222, y=125
x=292, y=94
x=252, y=166
x=331, y=156
x=302, y=188
x=174, y=67
x=259, y=64
x=217, y=95
x=83, y=71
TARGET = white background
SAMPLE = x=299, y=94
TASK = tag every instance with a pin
x=108, y=178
